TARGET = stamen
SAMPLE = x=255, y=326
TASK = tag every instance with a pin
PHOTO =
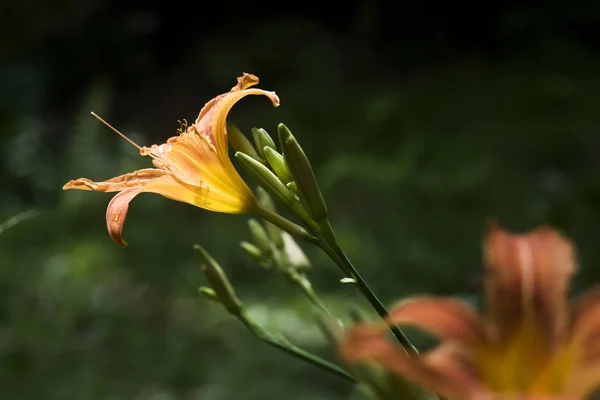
x=116, y=131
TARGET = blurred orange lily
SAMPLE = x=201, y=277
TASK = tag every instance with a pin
x=193, y=167
x=529, y=342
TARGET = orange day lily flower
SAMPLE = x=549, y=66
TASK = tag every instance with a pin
x=529, y=342
x=193, y=167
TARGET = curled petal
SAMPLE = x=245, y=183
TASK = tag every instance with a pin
x=369, y=343
x=171, y=188
x=116, y=184
x=527, y=278
x=212, y=118
x=448, y=319
x=116, y=213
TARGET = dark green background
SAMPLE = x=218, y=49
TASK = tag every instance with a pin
x=422, y=120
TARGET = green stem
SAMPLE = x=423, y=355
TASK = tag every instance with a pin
x=338, y=256
x=293, y=229
x=284, y=345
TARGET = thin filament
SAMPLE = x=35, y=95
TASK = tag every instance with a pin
x=120, y=134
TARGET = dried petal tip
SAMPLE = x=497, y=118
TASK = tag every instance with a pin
x=245, y=81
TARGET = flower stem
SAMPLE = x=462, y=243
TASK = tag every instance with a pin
x=293, y=229
x=338, y=256
x=281, y=343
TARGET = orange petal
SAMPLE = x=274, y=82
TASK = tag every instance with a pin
x=585, y=319
x=455, y=363
x=369, y=343
x=212, y=118
x=122, y=182
x=193, y=160
x=527, y=278
x=585, y=339
x=167, y=186
x=522, y=396
x=447, y=319
x=584, y=381
x=116, y=213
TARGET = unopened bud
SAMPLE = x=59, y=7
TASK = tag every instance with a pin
x=251, y=250
x=294, y=253
x=302, y=172
x=209, y=294
x=240, y=142
x=259, y=234
x=265, y=199
x=219, y=282
x=261, y=140
x=278, y=164
x=265, y=178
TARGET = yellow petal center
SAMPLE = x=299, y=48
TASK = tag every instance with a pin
x=525, y=364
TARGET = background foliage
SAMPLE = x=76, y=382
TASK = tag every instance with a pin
x=422, y=121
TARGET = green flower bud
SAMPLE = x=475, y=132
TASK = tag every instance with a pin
x=209, y=294
x=259, y=234
x=240, y=142
x=251, y=250
x=265, y=199
x=278, y=164
x=295, y=255
x=265, y=178
x=302, y=172
x=219, y=282
x=261, y=140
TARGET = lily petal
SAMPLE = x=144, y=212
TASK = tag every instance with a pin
x=169, y=187
x=585, y=343
x=527, y=278
x=584, y=381
x=116, y=184
x=585, y=322
x=212, y=118
x=448, y=319
x=193, y=160
x=369, y=343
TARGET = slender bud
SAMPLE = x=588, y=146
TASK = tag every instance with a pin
x=261, y=140
x=209, y=294
x=252, y=251
x=219, y=282
x=295, y=255
x=265, y=199
x=259, y=234
x=265, y=178
x=278, y=164
x=302, y=172
x=240, y=142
